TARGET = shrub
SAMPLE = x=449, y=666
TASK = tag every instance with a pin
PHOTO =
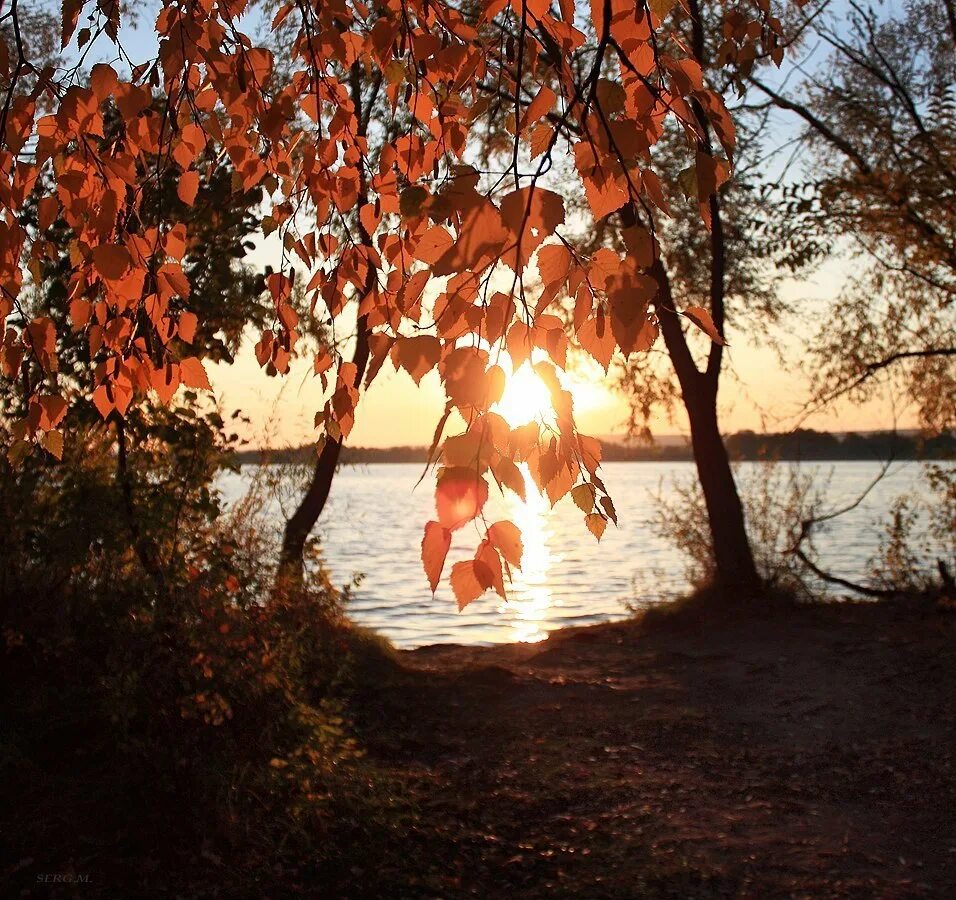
x=141, y=628
x=777, y=497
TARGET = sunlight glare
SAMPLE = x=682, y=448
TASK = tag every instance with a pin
x=526, y=399
x=530, y=597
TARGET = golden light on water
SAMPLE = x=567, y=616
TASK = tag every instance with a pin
x=530, y=598
x=526, y=398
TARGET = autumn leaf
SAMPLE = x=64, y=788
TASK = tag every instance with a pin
x=541, y=105
x=583, y=497
x=470, y=578
x=417, y=355
x=533, y=208
x=433, y=244
x=459, y=496
x=102, y=402
x=701, y=318
x=435, y=546
x=192, y=374
x=52, y=442
x=103, y=80
x=596, y=524
x=554, y=263
x=596, y=337
x=488, y=569
x=111, y=261
x=465, y=584
x=187, y=326
x=71, y=15
x=506, y=536
x=188, y=187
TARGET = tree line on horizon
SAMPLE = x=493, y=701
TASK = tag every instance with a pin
x=802, y=444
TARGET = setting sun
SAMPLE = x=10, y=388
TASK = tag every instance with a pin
x=526, y=398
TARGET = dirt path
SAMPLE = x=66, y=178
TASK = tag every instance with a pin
x=808, y=754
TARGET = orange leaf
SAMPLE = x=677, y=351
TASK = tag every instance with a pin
x=188, y=187
x=71, y=15
x=701, y=318
x=435, y=546
x=506, y=536
x=469, y=580
x=52, y=442
x=102, y=402
x=111, y=261
x=433, y=245
x=47, y=209
x=192, y=374
x=187, y=326
x=80, y=311
x=103, y=80
x=417, y=355
x=542, y=104
x=596, y=337
x=459, y=496
x=596, y=524
x=554, y=263
x=488, y=569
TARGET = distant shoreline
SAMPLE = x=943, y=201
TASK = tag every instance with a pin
x=744, y=446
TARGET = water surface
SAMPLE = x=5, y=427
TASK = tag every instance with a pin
x=373, y=527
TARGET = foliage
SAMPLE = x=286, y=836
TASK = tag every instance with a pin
x=880, y=187
x=920, y=534
x=205, y=688
x=416, y=213
x=777, y=497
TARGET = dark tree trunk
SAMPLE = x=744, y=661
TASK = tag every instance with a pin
x=736, y=571
x=733, y=558
x=300, y=525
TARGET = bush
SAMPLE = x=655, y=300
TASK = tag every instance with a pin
x=141, y=630
x=776, y=497
x=917, y=552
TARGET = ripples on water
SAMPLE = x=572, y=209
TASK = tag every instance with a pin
x=373, y=526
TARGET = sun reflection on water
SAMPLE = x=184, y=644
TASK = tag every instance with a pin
x=529, y=594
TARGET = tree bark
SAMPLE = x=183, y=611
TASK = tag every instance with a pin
x=300, y=525
x=733, y=557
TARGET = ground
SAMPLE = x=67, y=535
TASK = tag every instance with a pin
x=807, y=753
x=791, y=752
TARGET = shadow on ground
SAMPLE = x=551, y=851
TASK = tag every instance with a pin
x=808, y=753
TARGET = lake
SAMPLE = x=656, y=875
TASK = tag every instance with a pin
x=373, y=525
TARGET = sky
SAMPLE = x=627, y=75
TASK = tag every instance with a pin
x=760, y=392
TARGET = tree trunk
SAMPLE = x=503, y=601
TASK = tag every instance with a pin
x=733, y=557
x=300, y=525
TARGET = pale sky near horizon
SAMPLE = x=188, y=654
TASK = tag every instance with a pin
x=760, y=392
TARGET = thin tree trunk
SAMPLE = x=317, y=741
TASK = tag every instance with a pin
x=303, y=520
x=733, y=558
x=300, y=525
x=736, y=571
